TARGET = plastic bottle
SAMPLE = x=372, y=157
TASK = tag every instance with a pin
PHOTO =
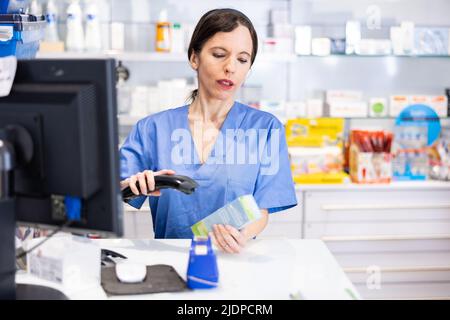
x=51, y=32
x=93, y=42
x=75, y=34
x=177, y=38
x=163, y=33
x=35, y=8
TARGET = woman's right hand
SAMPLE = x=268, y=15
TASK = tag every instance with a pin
x=146, y=182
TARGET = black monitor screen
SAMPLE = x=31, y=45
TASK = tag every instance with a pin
x=69, y=109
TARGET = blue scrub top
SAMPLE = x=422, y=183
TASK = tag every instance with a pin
x=237, y=165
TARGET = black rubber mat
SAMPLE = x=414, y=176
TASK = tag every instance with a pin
x=160, y=278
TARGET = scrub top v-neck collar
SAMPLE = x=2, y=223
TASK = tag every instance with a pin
x=232, y=121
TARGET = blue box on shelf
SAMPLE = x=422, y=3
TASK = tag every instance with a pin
x=416, y=128
x=13, y=6
x=20, y=35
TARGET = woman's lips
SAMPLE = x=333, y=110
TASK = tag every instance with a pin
x=225, y=84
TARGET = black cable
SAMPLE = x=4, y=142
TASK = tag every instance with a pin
x=66, y=224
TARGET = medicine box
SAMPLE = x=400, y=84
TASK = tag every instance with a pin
x=70, y=261
x=20, y=35
x=238, y=213
x=397, y=103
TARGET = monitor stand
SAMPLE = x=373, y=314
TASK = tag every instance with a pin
x=8, y=288
x=7, y=249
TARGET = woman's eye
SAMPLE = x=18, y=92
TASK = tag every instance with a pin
x=243, y=61
x=218, y=55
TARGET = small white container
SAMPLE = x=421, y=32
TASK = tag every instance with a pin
x=93, y=40
x=321, y=46
x=178, y=38
x=51, y=32
x=396, y=40
x=303, y=36
x=139, y=102
x=75, y=32
x=352, y=36
x=117, y=36
x=153, y=100
x=123, y=98
x=407, y=28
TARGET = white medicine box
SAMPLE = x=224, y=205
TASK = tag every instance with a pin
x=70, y=261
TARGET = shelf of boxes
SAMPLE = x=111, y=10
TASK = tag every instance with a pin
x=182, y=57
x=150, y=56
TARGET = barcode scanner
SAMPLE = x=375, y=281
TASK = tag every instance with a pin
x=177, y=182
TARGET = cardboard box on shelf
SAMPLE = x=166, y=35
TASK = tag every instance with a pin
x=397, y=104
x=370, y=156
x=319, y=132
x=343, y=95
x=46, y=47
x=370, y=167
x=419, y=99
x=431, y=41
x=345, y=103
x=347, y=109
x=315, y=150
x=323, y=160
x=440, y=105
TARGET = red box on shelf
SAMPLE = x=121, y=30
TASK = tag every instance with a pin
x=370, y=156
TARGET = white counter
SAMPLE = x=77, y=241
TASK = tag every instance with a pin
x=266, y=269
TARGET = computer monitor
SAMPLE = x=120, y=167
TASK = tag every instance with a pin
x=68, y=109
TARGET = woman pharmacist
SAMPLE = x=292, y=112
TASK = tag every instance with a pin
x=230, y=149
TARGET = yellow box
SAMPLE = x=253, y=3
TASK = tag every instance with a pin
x=322, y=178
x=318, y=132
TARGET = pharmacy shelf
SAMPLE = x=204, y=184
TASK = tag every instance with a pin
x=373, y=118
x=397, y=185
x=151, y=56
x=363, y=56
x=123, y=56
x=127, y=120
x=182, y=57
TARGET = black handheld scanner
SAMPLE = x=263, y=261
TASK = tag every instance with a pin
x=177, y=182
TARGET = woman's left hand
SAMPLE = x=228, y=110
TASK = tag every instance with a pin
x=228, y=238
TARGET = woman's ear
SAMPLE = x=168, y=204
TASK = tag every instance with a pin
x=194, y=61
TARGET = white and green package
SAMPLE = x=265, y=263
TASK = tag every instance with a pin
x=237, y=213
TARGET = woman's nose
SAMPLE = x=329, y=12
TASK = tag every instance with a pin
x=230, y=66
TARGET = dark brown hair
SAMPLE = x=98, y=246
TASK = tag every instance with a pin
x=219, y=20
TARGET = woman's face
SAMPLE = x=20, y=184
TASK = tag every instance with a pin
x=223, y=63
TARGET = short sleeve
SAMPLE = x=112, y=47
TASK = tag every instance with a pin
x=135, y=156
x=274, y=188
